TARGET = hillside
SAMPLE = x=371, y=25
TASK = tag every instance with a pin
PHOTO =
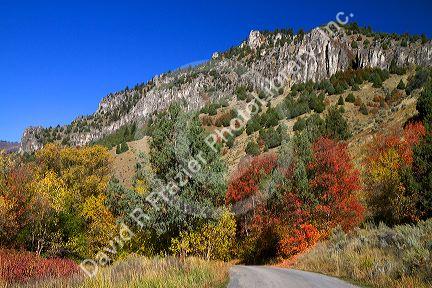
x=320, y=53
x=288, y=149
x=390, y=114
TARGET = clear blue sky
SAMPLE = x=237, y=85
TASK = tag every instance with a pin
x=59, y=58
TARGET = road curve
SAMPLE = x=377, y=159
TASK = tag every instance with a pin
x=272, y=277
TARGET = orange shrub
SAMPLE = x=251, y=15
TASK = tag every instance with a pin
x=299, y=240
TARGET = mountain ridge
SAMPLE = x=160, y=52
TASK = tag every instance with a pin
x=262, y=55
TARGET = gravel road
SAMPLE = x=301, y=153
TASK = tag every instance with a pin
x=272, y=277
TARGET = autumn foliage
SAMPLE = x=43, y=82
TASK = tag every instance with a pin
x=390, y=185
x=245, y=181
x=55, y=203
x=296, y=218
x=335, y=181
x=300, y=239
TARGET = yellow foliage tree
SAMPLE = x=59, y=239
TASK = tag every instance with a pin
x=211, y=241
x=101, y=226
x=73, y=181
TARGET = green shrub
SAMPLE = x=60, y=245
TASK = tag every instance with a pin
x=423, y=166
x=419, y=80
x=296, y=108
x=329, y=88
x=270, y=118
x=339, y=89
x=252, y=148
x=121, y=148
x=212, y=110
x=316, y=103
x=253, y=125
x=262, y=95
x=336, y=125
x=350, y=98
x=230, y=141
x=366, y=43
x=401, y=85
x=376, y=80
x=341, y=101
x=241, y=93
x=394, y=69
x=424, y=105
x=126, y=133
x=354, y=45
x=355, y=87
x=299, y=125
x=363, y=109
x=271, y=137
x=423, y=39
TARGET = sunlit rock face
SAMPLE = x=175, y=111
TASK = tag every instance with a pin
x=315, y=56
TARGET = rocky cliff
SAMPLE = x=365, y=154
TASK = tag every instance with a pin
x=315, y=56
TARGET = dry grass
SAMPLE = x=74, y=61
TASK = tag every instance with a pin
x=138, y=271
x=381, y=257
x=125, y=163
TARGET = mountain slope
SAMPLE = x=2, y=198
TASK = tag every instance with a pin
x=315, y=56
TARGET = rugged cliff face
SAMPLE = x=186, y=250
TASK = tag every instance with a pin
x=315, y=56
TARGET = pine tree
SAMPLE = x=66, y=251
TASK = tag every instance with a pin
x=363, y=109
x=252, y=148
x=336, y=125
x=341, y=101
x=350, y=98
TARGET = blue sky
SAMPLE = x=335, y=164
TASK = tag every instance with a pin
x=59, y=58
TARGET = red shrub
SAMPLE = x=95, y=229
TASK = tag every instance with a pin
x=26, y=266
x=335, y=181
x=245, y=181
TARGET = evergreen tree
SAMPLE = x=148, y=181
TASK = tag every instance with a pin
x=178, y=138
x=424, y=105
x=401, y=85
x=252, y=148
x=422, y=168
x=336, y=125
x=341, y=101
x=364, y=109
x=350, y=98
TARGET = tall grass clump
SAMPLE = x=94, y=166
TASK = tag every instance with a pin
x=137, y=271
x=377, y=256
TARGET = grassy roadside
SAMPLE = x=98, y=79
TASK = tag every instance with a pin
x=140, y=272
x=376, y=256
